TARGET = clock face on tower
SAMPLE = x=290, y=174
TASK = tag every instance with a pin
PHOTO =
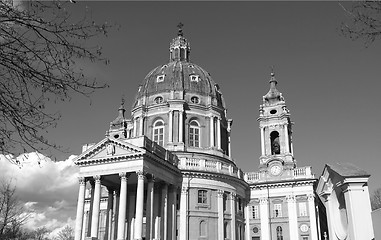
x=275, y=169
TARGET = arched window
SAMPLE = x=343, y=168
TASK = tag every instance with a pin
x=279, y=234
x=158, y=132
x=194, y=134
x=203, y=228
x=275, y=147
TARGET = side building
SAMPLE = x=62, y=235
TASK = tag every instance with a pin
x=167, y=172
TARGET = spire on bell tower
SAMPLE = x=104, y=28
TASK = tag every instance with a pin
x=275, y=126
x=179, y=48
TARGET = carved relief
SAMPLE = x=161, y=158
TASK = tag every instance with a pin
x=110, y=149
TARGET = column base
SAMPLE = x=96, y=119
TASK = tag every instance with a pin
x=91, y=238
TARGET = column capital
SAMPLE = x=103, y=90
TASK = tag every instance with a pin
x=82, y=180
x=184, y=190
x=124, y=175
x=220, y=193
x=141, y=174
x=311, y=197
x=290, y=198
x=263, y=200
x=97, y=178
x=232, y=196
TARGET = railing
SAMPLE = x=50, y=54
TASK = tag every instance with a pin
x=297, y=173
x=197, y=164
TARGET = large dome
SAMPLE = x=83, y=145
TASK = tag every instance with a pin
x=178, y=76
x=179, y=79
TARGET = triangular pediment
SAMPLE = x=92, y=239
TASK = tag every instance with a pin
x=109, y=148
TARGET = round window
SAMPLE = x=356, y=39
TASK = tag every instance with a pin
x=255, y=230
x=273, y=111
x=195, y=100
x=159, y=100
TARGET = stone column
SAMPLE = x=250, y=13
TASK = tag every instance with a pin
x=211, y=131
x=263, y=141
x=110, y=201
x=149, y=214
x=286, y=139
x=96, y=207
x=92, y=187
x=292, y=217
x=174, y=212
x=232, y=198
x=220, y=207
x=247, y=221
x=135, y=127
x=80, y=208
x=139, y=206
x=265, y=223
x=122, y=206
x=85, y=218
x=311, y=210
x=141, y=125
x=184, y=213
x=181, y=126
x=170, y=126
x=164, y=210
x=219, y=133
x=115, y=208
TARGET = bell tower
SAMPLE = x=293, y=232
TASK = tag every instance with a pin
x=276, y=134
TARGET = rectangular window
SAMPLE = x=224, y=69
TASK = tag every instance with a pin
x=302, y=209
x=277, y=210
x=305, y=238
x=255, y=212
x=202, y=196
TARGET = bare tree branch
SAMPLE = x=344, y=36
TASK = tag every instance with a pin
x=364, y=21
x=40, y=49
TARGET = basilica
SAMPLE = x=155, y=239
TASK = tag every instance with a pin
x=166, y=172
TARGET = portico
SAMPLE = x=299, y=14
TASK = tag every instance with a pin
x=143, y=191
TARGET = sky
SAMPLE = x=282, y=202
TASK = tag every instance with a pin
x=330, y=83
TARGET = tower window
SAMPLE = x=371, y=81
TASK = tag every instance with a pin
x=302, y=209
x=158, y=100
x=255, y=212
x=202, y=197
x=275, y=146
x=160, y=78
x=158, y=132
x=194, y=134
x=277, y=210
x=195, y=100
x=279, y=233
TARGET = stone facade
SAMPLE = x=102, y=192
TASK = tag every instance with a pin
x=167, y=172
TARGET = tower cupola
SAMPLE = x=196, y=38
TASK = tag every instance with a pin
x=179, y=48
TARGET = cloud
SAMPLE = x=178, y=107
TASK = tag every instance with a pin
x=47, y=189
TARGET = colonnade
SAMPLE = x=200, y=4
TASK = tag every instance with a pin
x=126, y=221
